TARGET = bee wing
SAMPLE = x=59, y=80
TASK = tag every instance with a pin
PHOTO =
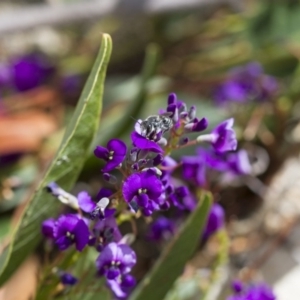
x=167, y=114
x=103, y=203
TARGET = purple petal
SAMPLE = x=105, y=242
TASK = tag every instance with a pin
x=63, y=243
x=101, y=152
x=68, y=279
x=48, y=227
x=104, y=193
x=65, y=223
x=215, y=220
x=131, y=185
x=119, y=152
x=142, y=200
x=128, y=281
x=172, y=99
x=85, y=202
x=128, y=257
x=200, y=125
x=81, y=235
x=225, y=137
x=116, y=289
x=109, y=254
x=152, y=184
x=113, y=273
x=145, y=144
x=117, y=146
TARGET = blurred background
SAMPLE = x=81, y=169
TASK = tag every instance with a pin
x=235, y=58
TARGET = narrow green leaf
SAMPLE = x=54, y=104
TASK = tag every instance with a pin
x=170, y=265
x=125, y=123
x=65, y=167
x=133, y=111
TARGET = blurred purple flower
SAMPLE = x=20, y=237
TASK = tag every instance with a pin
x=193, y=168
x=30, y=71
x=257, y=291
x=105, y=232
x=246, y=83
x=182, y=198
x=161, y=229
x=69, y=230
x=223, y=137
x=67, y=278
x=215, y=220
x=114, y=154
x=115, y=260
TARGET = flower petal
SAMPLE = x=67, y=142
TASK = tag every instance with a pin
x=63, y=243
x=131, y=185
x=48, y=228
x=116, y=289
x=65, y=223
x=85, y=202
x=101, y=152
x=145, y=144
x=81, y=235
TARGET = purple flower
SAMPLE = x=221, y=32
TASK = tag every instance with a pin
x=257, y=291
x=96, y=210
x=114, y=154
x=193, y=169
x=230, y=90
x=115, y=260
x=246, y=83
x=105, y=232
x=70, y=229
x=68, y=279
x=143, y=143
x=161, y=229
x=143, y=189
x=182, y=199
x=215, y=220
x=30, y=71
x=223, y=137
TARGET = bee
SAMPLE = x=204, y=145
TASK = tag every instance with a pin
x=156, y=124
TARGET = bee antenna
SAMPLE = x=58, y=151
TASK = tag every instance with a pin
x=134, y=118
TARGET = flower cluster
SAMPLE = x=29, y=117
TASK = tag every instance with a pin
x=142, y=180
x=257, y=291
x=245, y=84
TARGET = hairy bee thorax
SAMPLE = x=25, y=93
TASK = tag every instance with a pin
x=155, y=126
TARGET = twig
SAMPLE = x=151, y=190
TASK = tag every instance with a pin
x=33, y=16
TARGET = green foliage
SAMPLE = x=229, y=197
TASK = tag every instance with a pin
x=64, y=169
x=277, y=21
x=170, y=265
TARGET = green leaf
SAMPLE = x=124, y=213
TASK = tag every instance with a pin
x=64, y=169
x=170, y=265
x=123, y=126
